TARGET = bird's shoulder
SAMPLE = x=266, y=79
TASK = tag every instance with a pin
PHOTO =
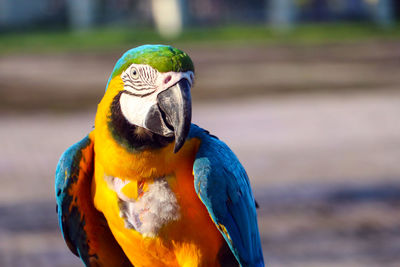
x=214, y=157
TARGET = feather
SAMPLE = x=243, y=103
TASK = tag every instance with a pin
x=224, y=188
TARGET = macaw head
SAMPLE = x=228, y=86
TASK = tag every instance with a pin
x=149, y=97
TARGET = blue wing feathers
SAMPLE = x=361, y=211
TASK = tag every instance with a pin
x=70, y=219
x=223, y=186
x=84, y=229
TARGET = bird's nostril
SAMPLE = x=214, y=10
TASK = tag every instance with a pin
x=167, y=79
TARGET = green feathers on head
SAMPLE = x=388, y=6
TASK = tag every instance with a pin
x=163, y=58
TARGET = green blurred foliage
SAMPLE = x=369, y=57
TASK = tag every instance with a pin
x=103, y=39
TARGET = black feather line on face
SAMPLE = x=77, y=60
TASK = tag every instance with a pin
x=132, y=137
x=137, y=95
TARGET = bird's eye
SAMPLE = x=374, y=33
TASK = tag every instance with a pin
x=134, y=73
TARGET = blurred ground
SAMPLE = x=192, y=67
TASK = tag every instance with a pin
x=67, y=81
x=317, y=128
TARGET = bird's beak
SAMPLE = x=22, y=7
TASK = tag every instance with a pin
x=175, y=105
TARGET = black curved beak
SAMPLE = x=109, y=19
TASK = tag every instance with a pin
x=176, y=105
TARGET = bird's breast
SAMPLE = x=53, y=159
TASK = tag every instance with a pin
x=146, y=206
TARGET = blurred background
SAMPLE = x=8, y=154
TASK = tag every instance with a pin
x=305, y=92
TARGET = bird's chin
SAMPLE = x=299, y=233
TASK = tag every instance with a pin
x=145, y=134
x=146, y=139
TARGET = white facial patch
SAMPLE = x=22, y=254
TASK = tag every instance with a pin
x=152, y=209
x=142, y=84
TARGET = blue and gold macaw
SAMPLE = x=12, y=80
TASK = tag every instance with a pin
x=147, y=187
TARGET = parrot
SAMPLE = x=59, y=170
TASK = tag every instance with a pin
x=146, y=186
